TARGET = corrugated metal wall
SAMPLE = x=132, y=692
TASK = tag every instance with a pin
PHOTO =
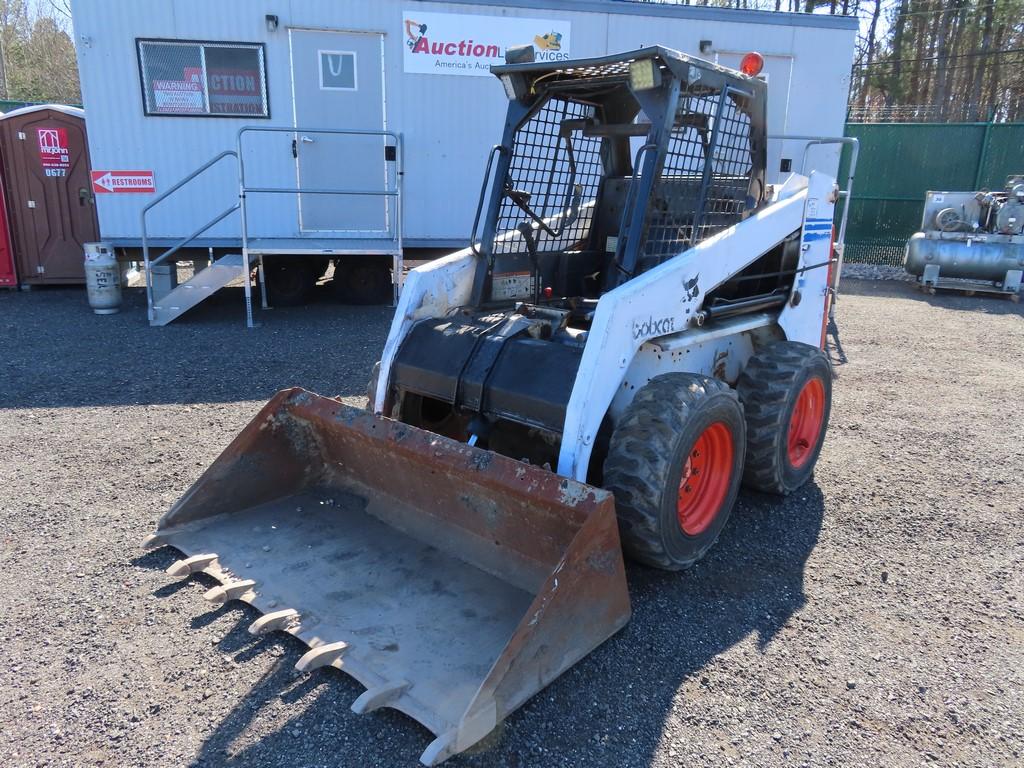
x=449, y=122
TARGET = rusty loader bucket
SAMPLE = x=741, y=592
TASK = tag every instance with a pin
x=452, y=582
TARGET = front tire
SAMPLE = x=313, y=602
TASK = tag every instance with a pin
x=674, y=465
x=786, y=390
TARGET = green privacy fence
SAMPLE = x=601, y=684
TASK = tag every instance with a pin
x=899, y=162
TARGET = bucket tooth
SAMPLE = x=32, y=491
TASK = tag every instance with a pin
x=379, y=696
x=230, y=591
x=190, y=565
x=153, y=541
x=321, y=656
x=440, y=749
x=272, y=621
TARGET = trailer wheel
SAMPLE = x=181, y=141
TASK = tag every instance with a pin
x=362, y=280
x=289, y=283
x=674, y=464
x=786, y=389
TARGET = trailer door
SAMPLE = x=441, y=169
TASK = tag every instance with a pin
x=338, y=82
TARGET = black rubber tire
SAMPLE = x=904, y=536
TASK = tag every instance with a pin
x=646, y=456
x=768, y=388
x=289, y=283
x=363, y=281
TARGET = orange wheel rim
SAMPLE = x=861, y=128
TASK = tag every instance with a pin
x=705, y=480
x=805, y=423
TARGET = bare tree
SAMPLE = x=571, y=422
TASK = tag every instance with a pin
x=37, y=56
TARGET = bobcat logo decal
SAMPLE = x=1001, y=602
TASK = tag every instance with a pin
x=691, y=287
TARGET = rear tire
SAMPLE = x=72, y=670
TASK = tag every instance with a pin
x=674, y=465
x=786, y=390
x=362, y=280
x=289, y=283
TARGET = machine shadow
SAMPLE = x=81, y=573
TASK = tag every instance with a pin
x=209, y=356
x=748, y=587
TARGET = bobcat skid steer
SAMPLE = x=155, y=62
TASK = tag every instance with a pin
x=634, y=330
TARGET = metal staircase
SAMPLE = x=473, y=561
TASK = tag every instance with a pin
x=168, y=300
x=200, y=286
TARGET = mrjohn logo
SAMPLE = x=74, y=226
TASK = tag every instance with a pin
x=651, y=327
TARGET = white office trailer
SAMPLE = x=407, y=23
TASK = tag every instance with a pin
x=391, y=98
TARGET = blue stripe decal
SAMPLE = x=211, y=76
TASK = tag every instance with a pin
x=810, y=237
x=817, y=228
x=828, y=219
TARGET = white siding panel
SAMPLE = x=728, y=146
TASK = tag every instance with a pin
x=449, y=122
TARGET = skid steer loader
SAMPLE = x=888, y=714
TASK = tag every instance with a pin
x=634, y=330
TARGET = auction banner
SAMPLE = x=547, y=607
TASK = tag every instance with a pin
x=464, y=44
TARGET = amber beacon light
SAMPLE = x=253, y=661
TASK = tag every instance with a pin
x=752, y=64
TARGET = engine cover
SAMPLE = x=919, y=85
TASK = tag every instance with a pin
x=503, y=367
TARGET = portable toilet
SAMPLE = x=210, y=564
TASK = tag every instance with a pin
x=49, y=201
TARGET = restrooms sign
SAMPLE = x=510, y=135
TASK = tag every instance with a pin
x=463, y=44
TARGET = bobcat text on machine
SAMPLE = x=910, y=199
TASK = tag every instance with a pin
x=635, y=329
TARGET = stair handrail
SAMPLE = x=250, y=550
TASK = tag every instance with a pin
x=147, y=262
x=391, y=191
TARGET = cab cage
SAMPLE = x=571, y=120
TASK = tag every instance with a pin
x=611, y=166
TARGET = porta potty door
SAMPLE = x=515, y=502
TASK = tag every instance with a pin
x=49, y=196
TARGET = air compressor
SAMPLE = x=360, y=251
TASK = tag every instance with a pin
x=971, y=241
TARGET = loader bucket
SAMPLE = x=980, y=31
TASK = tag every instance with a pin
x=452, y=582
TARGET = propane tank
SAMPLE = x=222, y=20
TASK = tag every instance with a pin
x=102, y=279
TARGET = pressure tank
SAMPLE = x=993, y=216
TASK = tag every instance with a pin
x=974, y=259
x=102, y=278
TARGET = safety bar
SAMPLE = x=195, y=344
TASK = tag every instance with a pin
x=628, y=208
x=473, y=245
x=854, y=145
x=147, y=262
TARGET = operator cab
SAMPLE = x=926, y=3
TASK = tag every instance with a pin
x=609, y=167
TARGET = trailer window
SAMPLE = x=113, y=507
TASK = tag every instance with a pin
x=196, y=78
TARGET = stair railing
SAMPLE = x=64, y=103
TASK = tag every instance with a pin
x=163, y=257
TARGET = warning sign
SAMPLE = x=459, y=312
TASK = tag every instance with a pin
x=53, y=151
x=176, y=96
x=123, y=181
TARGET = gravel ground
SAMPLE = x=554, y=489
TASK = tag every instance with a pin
x=855, y=271
x=873, y=618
